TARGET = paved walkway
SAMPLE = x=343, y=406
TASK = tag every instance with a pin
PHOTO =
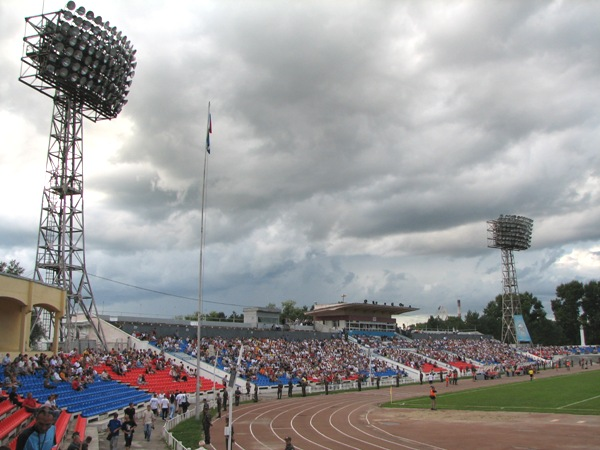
x=156, y=440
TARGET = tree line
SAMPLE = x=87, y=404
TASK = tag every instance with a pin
x=576, y=305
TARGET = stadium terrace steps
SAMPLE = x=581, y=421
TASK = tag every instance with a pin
x=12, y=424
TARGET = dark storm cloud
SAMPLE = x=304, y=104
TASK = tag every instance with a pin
x=357, y=148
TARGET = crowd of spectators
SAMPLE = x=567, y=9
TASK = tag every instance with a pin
x=470, y=353
x=313, y=359
x=337, y=359
x=334, y=359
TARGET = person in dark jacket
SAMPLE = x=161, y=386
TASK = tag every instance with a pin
x=206, y=424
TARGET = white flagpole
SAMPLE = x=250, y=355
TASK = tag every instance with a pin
x=201, y=266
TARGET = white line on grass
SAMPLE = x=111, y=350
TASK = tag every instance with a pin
x=581, y=401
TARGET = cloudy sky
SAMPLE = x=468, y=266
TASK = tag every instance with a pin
x=358, y=149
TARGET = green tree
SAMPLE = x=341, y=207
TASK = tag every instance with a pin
x=12, y=268
x=435, y=323
x=289, y=311
x=215, y=316
x=542, y=330
x=490, y=321
x=590, y=304
x=566, y=309
x=471, y=320
x=235, y=317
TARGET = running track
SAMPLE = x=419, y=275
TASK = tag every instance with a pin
x=353, y=420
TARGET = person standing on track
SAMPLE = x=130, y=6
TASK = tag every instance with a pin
x=237, y=394
x=433, y=397
x=219, y=404
x=228, y=431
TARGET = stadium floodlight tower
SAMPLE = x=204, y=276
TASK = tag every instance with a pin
x=509, y=233
x=86, y=66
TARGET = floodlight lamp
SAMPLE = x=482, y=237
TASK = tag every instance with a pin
x=510, y=232
x=85, y=58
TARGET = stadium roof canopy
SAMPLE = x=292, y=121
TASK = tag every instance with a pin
x=367, y=309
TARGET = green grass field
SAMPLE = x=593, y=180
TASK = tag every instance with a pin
x=569, y=394
x=188, y=432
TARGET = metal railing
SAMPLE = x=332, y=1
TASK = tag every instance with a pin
x=171, y=441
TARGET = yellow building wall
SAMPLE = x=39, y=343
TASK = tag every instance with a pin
x=18, y=297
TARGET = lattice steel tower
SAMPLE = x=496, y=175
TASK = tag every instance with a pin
x=509, y=233
x=86, y=67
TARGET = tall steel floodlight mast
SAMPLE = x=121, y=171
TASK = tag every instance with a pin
x=509, y=233
x=86, y=66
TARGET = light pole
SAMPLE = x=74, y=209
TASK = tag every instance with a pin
x=509, y=233
x=86, y=66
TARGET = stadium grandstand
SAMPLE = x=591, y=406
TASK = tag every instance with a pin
x=346, y=346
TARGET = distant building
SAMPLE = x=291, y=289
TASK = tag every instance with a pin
x=258, y=316
x=358, y=318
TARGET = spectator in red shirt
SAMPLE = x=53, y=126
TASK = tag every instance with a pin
x=76, y=385
x=29, y=403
